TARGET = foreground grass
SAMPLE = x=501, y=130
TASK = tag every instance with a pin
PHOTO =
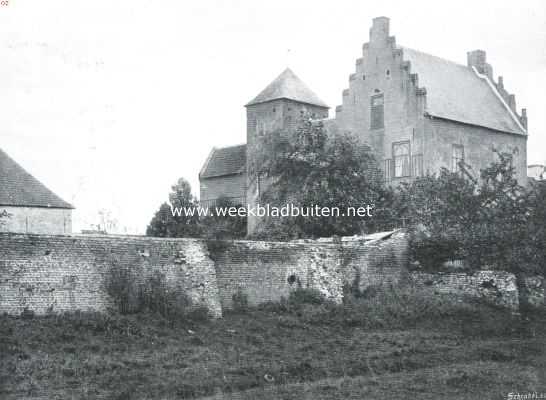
x=310, y=352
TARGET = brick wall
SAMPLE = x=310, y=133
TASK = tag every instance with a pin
x=47, y=273
x=496, y=287
x=267, y=271
x=41, y=220
x=380, y=262
x=68, y=273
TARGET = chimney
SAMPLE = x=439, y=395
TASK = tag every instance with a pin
x=512, y=102
x=501, y=82
x=524, y=117
x=477, y=59
x=379, y=32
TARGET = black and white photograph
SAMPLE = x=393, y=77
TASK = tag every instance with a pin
x=272, y=200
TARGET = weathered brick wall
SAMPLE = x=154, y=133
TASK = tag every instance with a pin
x=377, y=263
x=496, y=287
x=68, y=273
x=267, y=271
x=46, y=273
x=41, y=220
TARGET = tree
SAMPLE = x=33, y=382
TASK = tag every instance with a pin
x=309, y=168
x=4, y=217
x=221, y=227
x=169, y=223
x=491, y=223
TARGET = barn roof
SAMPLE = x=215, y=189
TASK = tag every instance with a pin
x=225, y=161
x=21, y=189
x=288, y=86
x=457, y=92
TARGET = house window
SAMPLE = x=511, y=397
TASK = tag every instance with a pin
x=401, y=157
x=457, y=155
x=377, y=115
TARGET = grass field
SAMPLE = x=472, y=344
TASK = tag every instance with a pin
x=312, y=351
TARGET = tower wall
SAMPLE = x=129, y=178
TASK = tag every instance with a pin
x=262, y=119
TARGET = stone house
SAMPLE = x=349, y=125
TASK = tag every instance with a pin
x=536, y=172
x=27, y=206
x=418, y=113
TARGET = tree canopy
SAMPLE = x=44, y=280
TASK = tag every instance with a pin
x=310, y=168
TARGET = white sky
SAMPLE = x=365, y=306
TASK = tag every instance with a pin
x=110, y=102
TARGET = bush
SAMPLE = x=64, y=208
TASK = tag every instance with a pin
x=302, y=296
x=240, y=301
x=151, y=295
x=123, y=288
x=383, y=307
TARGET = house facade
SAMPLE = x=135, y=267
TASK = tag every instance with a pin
x=420, y=113
x=27, y=206
x=417, y=112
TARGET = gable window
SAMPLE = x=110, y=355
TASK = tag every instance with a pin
x=401, y=159
x=457, y=155
x=261, y=128
x=376, y=112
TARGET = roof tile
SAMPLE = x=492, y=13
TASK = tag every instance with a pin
x=455, y=92
x=288, y=86
x=225, y=161
x=19, y=188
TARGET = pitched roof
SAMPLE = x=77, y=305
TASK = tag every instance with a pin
x=19, y=188
x=457, y=92
x=225, y=161
x=288, y=86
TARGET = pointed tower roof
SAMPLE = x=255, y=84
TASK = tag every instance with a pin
x=288, y=86
x=19, y=188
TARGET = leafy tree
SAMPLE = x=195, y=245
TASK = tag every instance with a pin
x=309, y=168
x=223, y=226
x=4, y=217
x=165, y=224
x=492, y=222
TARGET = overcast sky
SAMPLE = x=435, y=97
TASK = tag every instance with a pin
x=110, y=102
